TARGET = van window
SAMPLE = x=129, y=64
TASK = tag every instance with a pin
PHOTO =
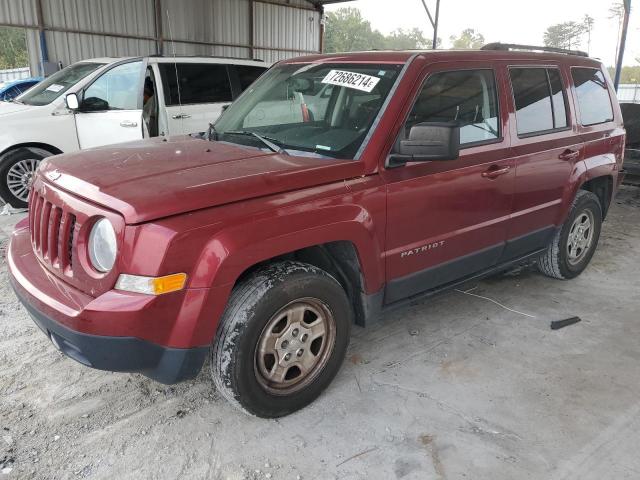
x=467, y=97
x=592, y=94
x=540, y=100
x=119, y=88
x=199, y=83
x=248, y=74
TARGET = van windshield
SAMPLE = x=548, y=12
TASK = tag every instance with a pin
x=323, y=108
x=48, y=90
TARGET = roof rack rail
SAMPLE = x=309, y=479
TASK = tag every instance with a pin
x=515, y=46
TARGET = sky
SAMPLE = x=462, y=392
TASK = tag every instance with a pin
x=508, y=21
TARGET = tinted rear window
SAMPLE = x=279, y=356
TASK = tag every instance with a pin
x=199, y=83
x=248, y=74
x=592, y=94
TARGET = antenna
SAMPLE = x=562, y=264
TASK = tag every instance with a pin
x=175, y=64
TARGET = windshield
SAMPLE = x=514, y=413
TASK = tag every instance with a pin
x=325, y=108
x=48, y=90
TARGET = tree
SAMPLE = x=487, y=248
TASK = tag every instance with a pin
x=629, y=74
x=588, y=23
x=564, y=35
x=401, y=39
x=13, y=48
x=347, y=31
x=468, y=39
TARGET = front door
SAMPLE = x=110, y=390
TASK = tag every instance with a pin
x=448, y=219
x=111, y=108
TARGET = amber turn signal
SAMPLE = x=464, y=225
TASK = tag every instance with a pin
x=151, y=285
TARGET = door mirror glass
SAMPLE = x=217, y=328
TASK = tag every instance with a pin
x=72, y=101
x=429, y=141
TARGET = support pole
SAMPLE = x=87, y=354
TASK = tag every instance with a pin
x=157, y=5
x=434, y=45
x=252, y=29
x=623, y=41
x=44, y=52
x=434, y=22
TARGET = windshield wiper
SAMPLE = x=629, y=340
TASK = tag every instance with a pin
x=268, y=141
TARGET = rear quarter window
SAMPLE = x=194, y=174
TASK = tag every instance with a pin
x=592, y=94
x=248, y=74
x=195, y=83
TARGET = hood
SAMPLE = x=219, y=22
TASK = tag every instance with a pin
x=7, y=108
x=157, y=178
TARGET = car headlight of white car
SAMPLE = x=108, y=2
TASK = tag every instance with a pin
x=102, y=246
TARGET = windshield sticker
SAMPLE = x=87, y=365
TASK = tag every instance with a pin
x=323, y=147
x=357, y=81
x=55, y=88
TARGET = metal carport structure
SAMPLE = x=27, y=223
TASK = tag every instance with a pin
x=60, y=32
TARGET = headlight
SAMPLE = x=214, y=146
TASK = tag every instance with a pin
x=102, y=246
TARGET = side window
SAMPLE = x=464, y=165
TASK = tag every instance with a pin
x=466, y=96
x=247, y=75
x=558, y=98
x=592, y=94
x=117, y=89
x=198, y=82
x=539, y=98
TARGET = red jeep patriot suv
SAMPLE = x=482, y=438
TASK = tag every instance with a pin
x=334, y=188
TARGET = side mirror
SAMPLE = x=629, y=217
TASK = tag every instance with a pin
x=72, y=101
x=428, y=141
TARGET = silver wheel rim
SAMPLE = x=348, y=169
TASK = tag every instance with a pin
x=580, y=237
x=295, y=346
x=20, y=176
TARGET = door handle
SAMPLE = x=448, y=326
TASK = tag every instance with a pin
x=180, y=116
x=569, y=154
x=495, y=172
x=128, y=124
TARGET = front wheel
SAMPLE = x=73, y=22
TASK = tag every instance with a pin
x=575, y=243
x=17, y=169
x=281, y=340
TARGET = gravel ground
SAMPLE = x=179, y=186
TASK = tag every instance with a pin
x=456, y=387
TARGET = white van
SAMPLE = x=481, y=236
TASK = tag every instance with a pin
x=104, y=101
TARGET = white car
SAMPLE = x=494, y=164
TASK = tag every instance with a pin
x=104, y=101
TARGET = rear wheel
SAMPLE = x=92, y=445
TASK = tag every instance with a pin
x=575, y=243
x=17, y=169
x=281, y=339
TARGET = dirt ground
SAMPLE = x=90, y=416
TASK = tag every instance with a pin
x=455, y=387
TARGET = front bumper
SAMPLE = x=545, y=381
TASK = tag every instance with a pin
x=62, y=313
x=120, y=354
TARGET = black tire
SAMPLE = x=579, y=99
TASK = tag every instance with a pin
x=9, y=160
x=555, y=261
x=253, y=304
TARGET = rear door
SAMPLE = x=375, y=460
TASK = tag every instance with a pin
x=546, y=147
x=111, y=107
x=194, y=95
x=448, y=219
